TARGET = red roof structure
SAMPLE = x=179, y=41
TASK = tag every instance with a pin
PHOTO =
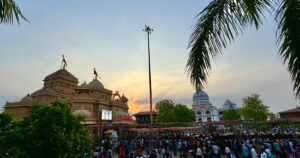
x=290, y=114
x=291, y=110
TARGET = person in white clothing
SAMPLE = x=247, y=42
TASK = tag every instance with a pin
x=268, y=152
x=263, y=155
x=254, y=153
x=227, y=151
x=199, y=152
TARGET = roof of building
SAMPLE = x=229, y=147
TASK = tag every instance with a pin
x=61, y=73
x=27, y=99
x=96, y=83
x=291, y=110
x=144, y=113
x=84, y=85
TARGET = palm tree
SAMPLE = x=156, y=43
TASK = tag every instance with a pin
x=223, y=20
x=9, y=11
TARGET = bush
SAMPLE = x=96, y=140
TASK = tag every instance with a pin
x=48, y=131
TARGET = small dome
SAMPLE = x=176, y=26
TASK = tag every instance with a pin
x=27, y=99
x=95, y=83
x=124, y=98
x=82, y=112
x=84, y=85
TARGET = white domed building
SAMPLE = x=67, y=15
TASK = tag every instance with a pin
x=204, y=110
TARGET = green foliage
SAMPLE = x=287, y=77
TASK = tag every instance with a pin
x=169, y=112
x=231, y=114
x=264, y=127
x=271, y=116
x=288, y=33
x=253, y=108
x=9, y=11
x=283, y=126
x=221, y=21
x=49, y=131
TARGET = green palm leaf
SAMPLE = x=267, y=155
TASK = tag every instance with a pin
x=9, y=11
x=217, y=26
x=288, y=18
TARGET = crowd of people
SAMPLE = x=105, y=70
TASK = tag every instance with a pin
x=189, y=145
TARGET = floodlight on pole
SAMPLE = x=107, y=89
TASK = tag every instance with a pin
x=149, y=30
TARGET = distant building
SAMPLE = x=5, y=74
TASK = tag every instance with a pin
x=204, y=110
x=228, y=104
x=290, y=114
x=144, y=116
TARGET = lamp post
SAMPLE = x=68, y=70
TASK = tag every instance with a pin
x=149, y=30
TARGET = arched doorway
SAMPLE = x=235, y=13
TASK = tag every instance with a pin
x=199, y=119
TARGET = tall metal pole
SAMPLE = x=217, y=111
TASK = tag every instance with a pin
x=149, y=30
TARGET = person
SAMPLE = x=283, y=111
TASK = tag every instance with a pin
x=204, y=151
x=96, y=153
x=227, y=152
x=245, y=151
x=121, y=152
x=100, y=153
x=254, y=153
x=147, y=155
x=153, y=154
x=267, y=150
x=232, y=155
x=263, y=155
x=216, y=151
x=199, y=152
x=276, y=148
x=166, y=154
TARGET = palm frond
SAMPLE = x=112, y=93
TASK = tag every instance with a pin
x=253, y=10
x=217, y=26
x=9, y=11
x=288, y=37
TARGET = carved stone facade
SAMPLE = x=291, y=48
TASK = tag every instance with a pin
x=85, y=99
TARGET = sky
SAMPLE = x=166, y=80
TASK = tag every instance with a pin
x=107, y=35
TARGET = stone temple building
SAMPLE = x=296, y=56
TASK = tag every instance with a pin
x=204, y=110
x=88, y=99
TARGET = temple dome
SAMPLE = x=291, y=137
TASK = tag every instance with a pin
x=200, y=93
x=96, y=83
x=27, y=99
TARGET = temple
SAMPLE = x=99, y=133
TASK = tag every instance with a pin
x=98, y=104
x=205, y=111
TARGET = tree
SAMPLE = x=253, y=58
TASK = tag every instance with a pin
x=9, y=11
x=184, y=114
x=48, y=131
x=231, y=114
x=165, y=110
x=271, y=116
x=169, y=112
x=253, y=108
x=222, y=21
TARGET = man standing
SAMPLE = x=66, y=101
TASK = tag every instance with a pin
x=245, y=151
x=254, y=153
x=216, y=150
